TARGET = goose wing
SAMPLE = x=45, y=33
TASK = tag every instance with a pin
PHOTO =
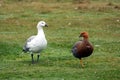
x=25, y=47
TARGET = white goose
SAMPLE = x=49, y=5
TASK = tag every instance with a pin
x=35, y=44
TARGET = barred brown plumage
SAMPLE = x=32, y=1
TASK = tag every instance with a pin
x=82, y=48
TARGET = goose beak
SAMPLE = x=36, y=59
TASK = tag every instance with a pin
x=80, y=36
x=46, y=25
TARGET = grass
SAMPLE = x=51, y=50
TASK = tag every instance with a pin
x=66, y=19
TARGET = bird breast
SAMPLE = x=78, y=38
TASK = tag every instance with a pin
x=82, y=49
x=37, y=44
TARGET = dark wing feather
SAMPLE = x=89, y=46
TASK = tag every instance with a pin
x=75, y=47
x=25, y=48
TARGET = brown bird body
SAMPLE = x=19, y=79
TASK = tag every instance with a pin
x=82, y=48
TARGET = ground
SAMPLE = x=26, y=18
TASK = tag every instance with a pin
x=66, y=19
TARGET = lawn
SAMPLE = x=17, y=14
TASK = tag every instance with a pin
x=66, y=19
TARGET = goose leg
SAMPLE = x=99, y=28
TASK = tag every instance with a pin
x=38, y=57
x=32, y=58
x=81, y=62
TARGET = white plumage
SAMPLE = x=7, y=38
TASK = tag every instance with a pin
x=35, y=44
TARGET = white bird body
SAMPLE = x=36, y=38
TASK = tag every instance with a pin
x=38, y=43
x=35, y=44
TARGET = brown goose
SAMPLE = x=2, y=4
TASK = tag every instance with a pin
x=82, y=48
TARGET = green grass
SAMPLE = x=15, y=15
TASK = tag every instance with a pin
x=66, y=19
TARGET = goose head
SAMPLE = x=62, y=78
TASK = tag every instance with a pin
x=41, y=24
x=84, y=35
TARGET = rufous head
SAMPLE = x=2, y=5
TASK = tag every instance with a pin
x=84, y=34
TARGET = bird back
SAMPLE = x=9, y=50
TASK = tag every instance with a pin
x=82, y=49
